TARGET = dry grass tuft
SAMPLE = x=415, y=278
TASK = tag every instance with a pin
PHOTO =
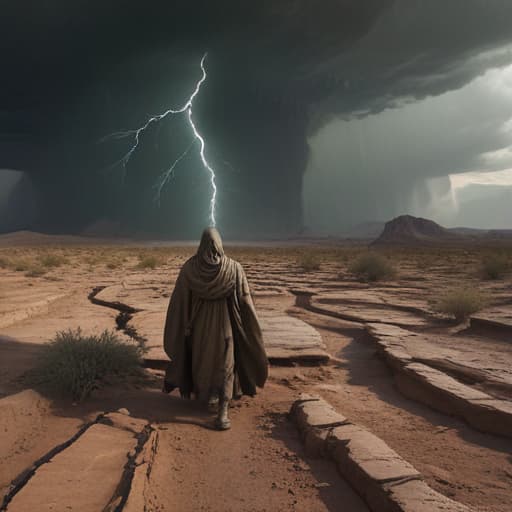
x=53, y=260
x=371, y=267
x=461, y=303
x=309, y=261
x=149, y=261
x=74, y=364
x=495, y=266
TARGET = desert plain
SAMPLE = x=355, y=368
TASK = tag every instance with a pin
x=436, y=391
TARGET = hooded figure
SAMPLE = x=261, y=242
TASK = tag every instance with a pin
x=212, y=334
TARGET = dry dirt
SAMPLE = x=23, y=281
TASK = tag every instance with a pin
x=260, y=464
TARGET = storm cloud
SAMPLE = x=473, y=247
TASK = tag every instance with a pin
x=279, y=72
x=400, y=160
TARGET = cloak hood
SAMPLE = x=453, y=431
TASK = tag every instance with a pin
x=210, y=274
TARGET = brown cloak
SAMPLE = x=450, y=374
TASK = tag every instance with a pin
x=212, y=333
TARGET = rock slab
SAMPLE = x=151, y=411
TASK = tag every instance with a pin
x=287, y=340
x=386, y=481
x=87, y=474
x=422, y=382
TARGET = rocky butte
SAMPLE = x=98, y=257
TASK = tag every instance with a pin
x=407, y=229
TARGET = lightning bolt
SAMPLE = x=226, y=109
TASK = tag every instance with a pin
x=198, y=138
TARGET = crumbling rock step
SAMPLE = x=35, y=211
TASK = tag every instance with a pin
x=438, y=390
x=381, y=477
x=442, y=392
x=90, y=475
x=499, y=319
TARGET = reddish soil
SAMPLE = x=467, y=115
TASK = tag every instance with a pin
x=459, y=462
x=259, y=465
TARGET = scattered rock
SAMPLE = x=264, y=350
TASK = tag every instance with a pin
x=322, y=485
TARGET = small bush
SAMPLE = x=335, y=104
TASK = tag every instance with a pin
x=149, y=261
x=495, y=266
x=35, y=271
x=461, y=303
x=74, y=364
x=372, y=267
x=309, y=262
x=53, y=260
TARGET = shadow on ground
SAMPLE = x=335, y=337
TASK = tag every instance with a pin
x=332, y=489
x=368, y=370
x=16, y=358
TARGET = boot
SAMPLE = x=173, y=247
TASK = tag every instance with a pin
x=213, y=403
x=222, y=421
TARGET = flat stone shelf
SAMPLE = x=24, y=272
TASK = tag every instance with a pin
x=414, y=360
x=287, y=340
x=290, y=340
x=89, y=473
x=366, y=313
x=499, y=319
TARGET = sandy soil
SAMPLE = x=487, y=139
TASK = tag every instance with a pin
x=459, y=462
x=259, y=464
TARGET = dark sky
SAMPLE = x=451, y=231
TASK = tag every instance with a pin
x=289, y=84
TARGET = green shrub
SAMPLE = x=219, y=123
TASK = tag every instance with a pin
x=75, y=364
x=495, y=266
x=149, y=261
x=309, y=262
x=53, y=260
x=461, y=303
x=372, y=267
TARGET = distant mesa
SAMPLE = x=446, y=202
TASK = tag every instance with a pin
x=25, y=238
x=409, y=230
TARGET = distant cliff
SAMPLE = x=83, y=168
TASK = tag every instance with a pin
x=407, y=229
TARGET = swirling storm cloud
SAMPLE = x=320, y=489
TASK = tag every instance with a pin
x=316, y=115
